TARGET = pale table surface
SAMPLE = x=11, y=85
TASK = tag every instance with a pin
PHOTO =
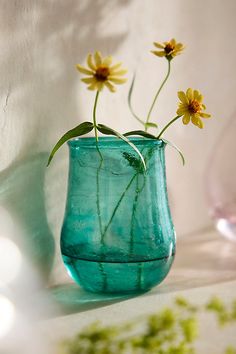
x=205, y=265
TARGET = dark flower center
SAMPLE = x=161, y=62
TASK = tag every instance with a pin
x=169, y=48
x=194, y=106
x=102, y=73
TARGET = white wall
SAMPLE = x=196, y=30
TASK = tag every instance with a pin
x=42, y=96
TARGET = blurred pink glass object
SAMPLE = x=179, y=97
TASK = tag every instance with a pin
x=221, y=181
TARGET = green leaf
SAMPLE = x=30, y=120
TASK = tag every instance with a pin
x=151, y=125
x=81, y=129
x=140, y=132
x=109, y=131
x=129, y=102
x=176, y=148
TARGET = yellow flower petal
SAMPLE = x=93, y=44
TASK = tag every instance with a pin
x=159, y=45
x=107, y=61
x=89, y=80
x=191, y=106
x=117, y=80
x=110, y=86
x=186, y=118
x=83, y=70
x=116, y=66
x=90, y=62
x=120, y=72
x=197, y=95
x=200, y=98
x=170, y=49
x=189, y=94
x=175, y=52
x=197, y=121
x=181, y=111
x=100, y=85
x=159, y=53
x=92, y=87
x=204, y=115
x=179, y=46
x=98, y=58
x=100, y=72
x=183, y=98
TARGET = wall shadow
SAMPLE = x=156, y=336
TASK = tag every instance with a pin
x=42, y=42
x=22, y=194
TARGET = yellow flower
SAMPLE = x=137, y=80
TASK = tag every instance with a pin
x=169, y=49
x=101, y=73
x=191, y=106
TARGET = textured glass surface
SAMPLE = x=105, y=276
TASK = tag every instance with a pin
x=117, y=234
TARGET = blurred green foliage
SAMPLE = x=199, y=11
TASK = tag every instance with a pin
x=170, y=331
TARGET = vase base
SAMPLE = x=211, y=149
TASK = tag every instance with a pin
x=118, y=277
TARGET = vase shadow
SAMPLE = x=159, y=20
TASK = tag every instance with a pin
x=22, y=195
x=70, y=298
x=201, y=261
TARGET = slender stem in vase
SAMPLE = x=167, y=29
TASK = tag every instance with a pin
x=131, y=250
x=104, y=276
x=140, y=276
x=137, y=194
x=131, y=245
x=117, y=206
x=157, y=94
x=101, y=267
x=98, y=190
x=100, y=164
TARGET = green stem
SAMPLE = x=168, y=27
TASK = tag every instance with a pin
x=98, y=190
x=101, y=161
x=104, y=277
x=130, y=104
x=137, y=194
x=117, y=206
x=94, y=115
x=131, y=250
x=131, y=247
x=140, y=273
x=167, y=126
x=157, y=94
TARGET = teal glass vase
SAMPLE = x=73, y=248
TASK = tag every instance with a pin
x=117, y=234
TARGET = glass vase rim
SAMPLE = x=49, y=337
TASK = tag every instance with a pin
x=113, y=142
